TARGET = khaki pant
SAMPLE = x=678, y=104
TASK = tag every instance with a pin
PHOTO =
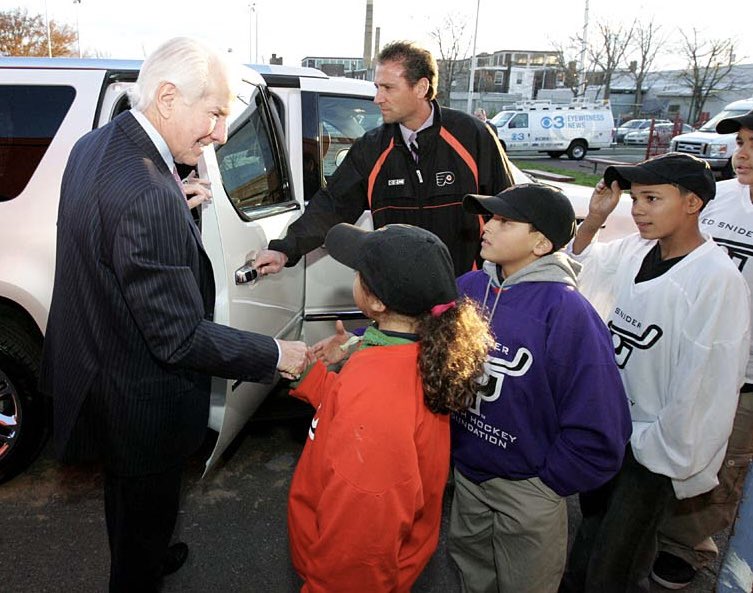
x=687, y=532
x=508, y=536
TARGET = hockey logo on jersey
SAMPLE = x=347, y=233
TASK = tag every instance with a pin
x=738, y=252
x=625, y=341
x=445, y=178
x=495, y=371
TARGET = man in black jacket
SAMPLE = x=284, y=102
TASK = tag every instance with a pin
x=414, y=169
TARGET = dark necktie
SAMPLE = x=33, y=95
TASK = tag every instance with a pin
x=413, y=146
x=178, y=181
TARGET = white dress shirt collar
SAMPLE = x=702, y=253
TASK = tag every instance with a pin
x=427, y=124
x=156, y=138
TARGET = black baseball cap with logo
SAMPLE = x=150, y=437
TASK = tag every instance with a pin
x=547, y=209
x=673, y=168
x=731, y=125
x=408, y=268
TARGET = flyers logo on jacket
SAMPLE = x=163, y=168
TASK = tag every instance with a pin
x=445, y=178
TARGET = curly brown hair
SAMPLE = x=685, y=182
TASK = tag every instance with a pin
x=452, y=351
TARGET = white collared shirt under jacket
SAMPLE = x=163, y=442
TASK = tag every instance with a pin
x=681, y=342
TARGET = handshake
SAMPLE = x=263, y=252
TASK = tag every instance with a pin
x=295, y=357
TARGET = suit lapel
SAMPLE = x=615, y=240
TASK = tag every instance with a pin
x=133, y=130
x=138, y=135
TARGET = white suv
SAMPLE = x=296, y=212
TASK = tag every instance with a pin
x=46, y=105
x=288, y=131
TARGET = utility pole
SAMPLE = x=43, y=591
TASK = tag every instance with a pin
x=583, y=46
x=472, y=73
x=251, y=35
x=78, y=27
x=49, y=39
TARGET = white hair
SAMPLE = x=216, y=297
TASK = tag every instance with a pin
x=187, y=63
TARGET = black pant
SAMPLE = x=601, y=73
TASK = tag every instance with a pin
x=615, y=544
x=141, y=512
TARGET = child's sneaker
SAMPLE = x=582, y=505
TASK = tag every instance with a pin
x=672, y=572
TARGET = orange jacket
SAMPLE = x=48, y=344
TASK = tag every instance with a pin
x=366, y=498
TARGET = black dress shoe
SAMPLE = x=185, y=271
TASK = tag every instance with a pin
x=175, y=557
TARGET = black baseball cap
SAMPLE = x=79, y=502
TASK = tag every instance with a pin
x=672, y=168
x=546, y=208
x=731, y=125
x=407, y=267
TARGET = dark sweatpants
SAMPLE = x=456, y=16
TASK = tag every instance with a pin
x=615, y=544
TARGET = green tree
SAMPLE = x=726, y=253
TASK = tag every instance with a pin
x=22, y=34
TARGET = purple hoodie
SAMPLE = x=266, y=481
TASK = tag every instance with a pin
x=552, y=404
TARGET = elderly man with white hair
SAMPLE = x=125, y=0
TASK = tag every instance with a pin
x=130, y=346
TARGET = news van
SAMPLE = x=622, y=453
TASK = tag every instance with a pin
x=555, y=128
x=705, y=143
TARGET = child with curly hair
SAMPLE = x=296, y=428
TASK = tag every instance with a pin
x=366, y=499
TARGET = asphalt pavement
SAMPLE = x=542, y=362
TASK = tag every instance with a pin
x=53, y=538
x=620, y=153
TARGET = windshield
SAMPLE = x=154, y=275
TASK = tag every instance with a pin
x=502, y=118
x=710, y=126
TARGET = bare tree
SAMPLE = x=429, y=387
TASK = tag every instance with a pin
x=708, y=64
x=453, y=44
x=608, y=51
x=567, y=64
x=644, y=45
x=25, y=35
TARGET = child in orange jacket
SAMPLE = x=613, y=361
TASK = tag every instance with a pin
x=366, y=499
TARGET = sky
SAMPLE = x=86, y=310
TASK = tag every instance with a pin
x=294, y=29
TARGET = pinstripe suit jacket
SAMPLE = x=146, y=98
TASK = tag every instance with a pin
x=130, y=322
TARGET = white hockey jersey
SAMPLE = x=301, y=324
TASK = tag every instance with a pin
x=728, y=218
x=681, y=342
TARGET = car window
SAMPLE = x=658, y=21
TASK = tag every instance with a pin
x=519, y=121
x=710, y=126
x=331, y=124
x=248, y=163
x=502, y=118
x=30, y=116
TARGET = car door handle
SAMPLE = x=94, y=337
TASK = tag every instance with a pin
x=246, y=274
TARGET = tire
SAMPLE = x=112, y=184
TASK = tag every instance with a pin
x=25, y=412
x=577, y=150
x=555, y=154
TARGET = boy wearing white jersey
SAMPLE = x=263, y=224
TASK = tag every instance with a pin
x=678, y=310
x=685, y=543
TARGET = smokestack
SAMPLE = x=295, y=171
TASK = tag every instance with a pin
x=376, y=40
x=367, y=34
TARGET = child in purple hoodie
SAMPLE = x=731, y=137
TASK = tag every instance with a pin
x=550, y=418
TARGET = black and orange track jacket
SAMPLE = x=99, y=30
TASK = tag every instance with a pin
x=458, y=155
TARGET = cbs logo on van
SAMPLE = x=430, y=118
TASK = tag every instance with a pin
x=552, y=122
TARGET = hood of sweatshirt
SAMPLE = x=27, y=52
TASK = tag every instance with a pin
x=555, y=267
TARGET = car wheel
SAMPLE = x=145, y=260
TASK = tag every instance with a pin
x=24, y=411
x=577, y=150
x=555, y=154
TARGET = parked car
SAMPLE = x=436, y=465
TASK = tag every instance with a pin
x=662, y=132
x=288, y=130
x=633, y=125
